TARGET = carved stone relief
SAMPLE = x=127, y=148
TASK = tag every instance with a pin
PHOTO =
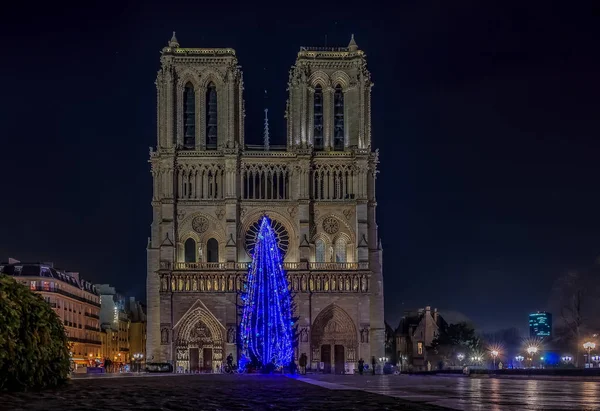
x=304, y=335
x=231, y=335
x=164, y=336
x=364, y=335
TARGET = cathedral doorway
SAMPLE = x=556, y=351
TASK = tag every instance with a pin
x=199, y=345
x=340, y=359
x=334, y=340
x=326, y=358
x=208, y=357
x=194, y=360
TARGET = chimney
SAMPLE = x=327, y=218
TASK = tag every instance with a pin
x=435, y=315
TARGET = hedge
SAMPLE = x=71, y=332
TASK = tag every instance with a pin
x=34, y=351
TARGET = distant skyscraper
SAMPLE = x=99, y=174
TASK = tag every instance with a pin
x=540, y=324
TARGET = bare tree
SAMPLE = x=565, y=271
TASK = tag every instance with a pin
x=575, y=299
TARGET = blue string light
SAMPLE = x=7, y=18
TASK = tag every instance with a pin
x=266, y=326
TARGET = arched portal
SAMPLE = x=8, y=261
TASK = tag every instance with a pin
x=334, y=339
x=199, y=343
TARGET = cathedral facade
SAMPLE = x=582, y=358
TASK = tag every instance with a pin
x=210, y=190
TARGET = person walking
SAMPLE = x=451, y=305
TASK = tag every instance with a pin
x=373, y=362
x=361, y=366
x=303, y=360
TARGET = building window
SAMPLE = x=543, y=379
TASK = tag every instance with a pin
x=212, y=251
x=318, y=118
x=320, y=251
x=338, y=121
x=190, y=250
x=420, y=348
x=189, y=116
x=340, y=250
x=211, y=116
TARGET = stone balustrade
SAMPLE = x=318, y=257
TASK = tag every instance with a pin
x=288, y=266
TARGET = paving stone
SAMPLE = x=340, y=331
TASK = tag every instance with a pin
x=202, y=392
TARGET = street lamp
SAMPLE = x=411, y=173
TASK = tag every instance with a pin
x=589, y=346
x=460, y=357
x=494, y=355
x=519, y=359
x=138, y=358
x=531, y=350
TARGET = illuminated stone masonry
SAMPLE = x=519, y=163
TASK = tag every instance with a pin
x=210, y=191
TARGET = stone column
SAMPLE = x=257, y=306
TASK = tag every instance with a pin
x=375, y=266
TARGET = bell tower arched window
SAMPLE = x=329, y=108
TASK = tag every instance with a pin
x=340, y=250
x=211, y=116
x=338, y=120
x=190, y=250
x=189, y=116
x=212, y=251
x=318, y=118
x=320, y=251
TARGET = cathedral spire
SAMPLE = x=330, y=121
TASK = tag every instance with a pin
x=266, y=129
x=352, y=46
x=173, y=42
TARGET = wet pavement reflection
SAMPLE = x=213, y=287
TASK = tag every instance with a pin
x=463, y=393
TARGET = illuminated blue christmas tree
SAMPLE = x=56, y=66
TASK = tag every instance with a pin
x=266, y=328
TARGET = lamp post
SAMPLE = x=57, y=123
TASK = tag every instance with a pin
x=476, y=359
x=138, y=358
x=460, y=357
x=532, y=350
x=494, y=355
x=519, y=359
x=567, y=358
x=589, y=346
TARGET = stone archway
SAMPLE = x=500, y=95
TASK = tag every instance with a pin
x=334, y=340
x=199, y=342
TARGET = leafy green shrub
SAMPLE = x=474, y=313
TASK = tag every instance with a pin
x=34, y=350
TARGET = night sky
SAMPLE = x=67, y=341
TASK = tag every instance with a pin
x=486, y=115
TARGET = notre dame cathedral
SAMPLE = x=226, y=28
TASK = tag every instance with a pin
x=210, y=190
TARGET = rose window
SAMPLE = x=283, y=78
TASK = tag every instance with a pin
x=281, y=233
x=331, y=225
x=200, y=224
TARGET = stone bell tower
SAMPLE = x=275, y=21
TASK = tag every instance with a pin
x=200, y=131
x=329, y=125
